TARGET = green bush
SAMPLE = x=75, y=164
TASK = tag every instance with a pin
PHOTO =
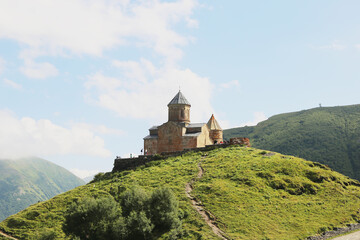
x=143, y=212
x=98, y=177
x=16, y=222
x=94, y=219
x=135, y=199
x=139, y=225
x=47, y=234
x=164, y=209
x=103, y=218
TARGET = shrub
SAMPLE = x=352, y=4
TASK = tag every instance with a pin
x=97, y=177
x=315, y=176
x=164, y=209
x=136, y=199
x=47, y=234
x=16, y=222
x=139, y=225
x=94, y=219
x=103, y=219
x=32, y=215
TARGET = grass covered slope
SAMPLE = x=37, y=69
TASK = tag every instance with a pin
x=329, y=135
x=253, y=194
x=27, y=181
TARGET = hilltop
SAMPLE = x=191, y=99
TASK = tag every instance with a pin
x=329, y=135
x=249, y=193
x=26, y=181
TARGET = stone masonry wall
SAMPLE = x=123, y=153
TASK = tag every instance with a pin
x=170, y=137
x=121, y=164
x=204, y=138
x=151, y=146
x=216, y=135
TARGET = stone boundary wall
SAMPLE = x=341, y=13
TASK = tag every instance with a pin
x=335, y=232
x=121, y=164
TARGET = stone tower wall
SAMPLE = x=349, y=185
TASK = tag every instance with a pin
x=179, y=113
x=216, y=135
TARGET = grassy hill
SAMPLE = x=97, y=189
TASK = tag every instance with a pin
x=252, y=194
x=329, y=135
x=27, y=181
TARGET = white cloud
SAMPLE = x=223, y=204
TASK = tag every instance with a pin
x=357, y=46
x=333, y=46
x=91, y=26
x=100, y=129
x=12, y=84
x=29, y=137
x=230, y=84
x=143, y=91
x=82, y=173
x=258, y=117
x=39, y=70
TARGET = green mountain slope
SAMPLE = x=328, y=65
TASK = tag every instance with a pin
x=251, y=194
x=329, y=135
x=27, y=181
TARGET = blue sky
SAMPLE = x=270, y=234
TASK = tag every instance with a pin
x=82, y=81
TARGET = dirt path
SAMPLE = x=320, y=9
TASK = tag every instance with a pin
x=351, y=236
x=5, y=235
x=207, y=216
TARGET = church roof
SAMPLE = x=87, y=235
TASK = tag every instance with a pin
x=179, y=99
x=192, y=134
x=151, y=137
x=213, y=124
x=195, y=125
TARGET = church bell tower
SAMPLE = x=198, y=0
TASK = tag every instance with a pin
x=179, y=109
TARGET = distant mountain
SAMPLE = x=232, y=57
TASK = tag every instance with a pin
x=88, y=178
x=329, y=135
x=26, y=181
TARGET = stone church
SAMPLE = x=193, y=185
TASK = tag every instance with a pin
x=178, y=133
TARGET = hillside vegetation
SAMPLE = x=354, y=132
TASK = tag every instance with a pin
x=252, y=194
x=26, y=181
x=329, y=135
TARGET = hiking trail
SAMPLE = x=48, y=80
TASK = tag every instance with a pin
x=209, y=218
x=8, y=236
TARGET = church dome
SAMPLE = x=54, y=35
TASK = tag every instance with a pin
x=179, y=99
x=213, y=124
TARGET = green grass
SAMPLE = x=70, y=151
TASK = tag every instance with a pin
x=252, y=194
x=329, y=135
x=3, y=238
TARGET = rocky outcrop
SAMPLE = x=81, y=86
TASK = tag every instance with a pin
x=240, y=141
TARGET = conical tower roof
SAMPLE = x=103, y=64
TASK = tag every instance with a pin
x=213, y=124
x=179, y=99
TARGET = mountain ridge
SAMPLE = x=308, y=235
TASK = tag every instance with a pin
x=26, y=181
x=329, y=135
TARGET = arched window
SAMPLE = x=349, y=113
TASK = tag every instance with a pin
x=182, y=113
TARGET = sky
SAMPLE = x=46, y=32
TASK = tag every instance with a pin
x=82, y=81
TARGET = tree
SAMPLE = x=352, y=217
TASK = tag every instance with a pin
x=139, y=225
x=135, y=199
x=164, y=209
x=95, y=219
